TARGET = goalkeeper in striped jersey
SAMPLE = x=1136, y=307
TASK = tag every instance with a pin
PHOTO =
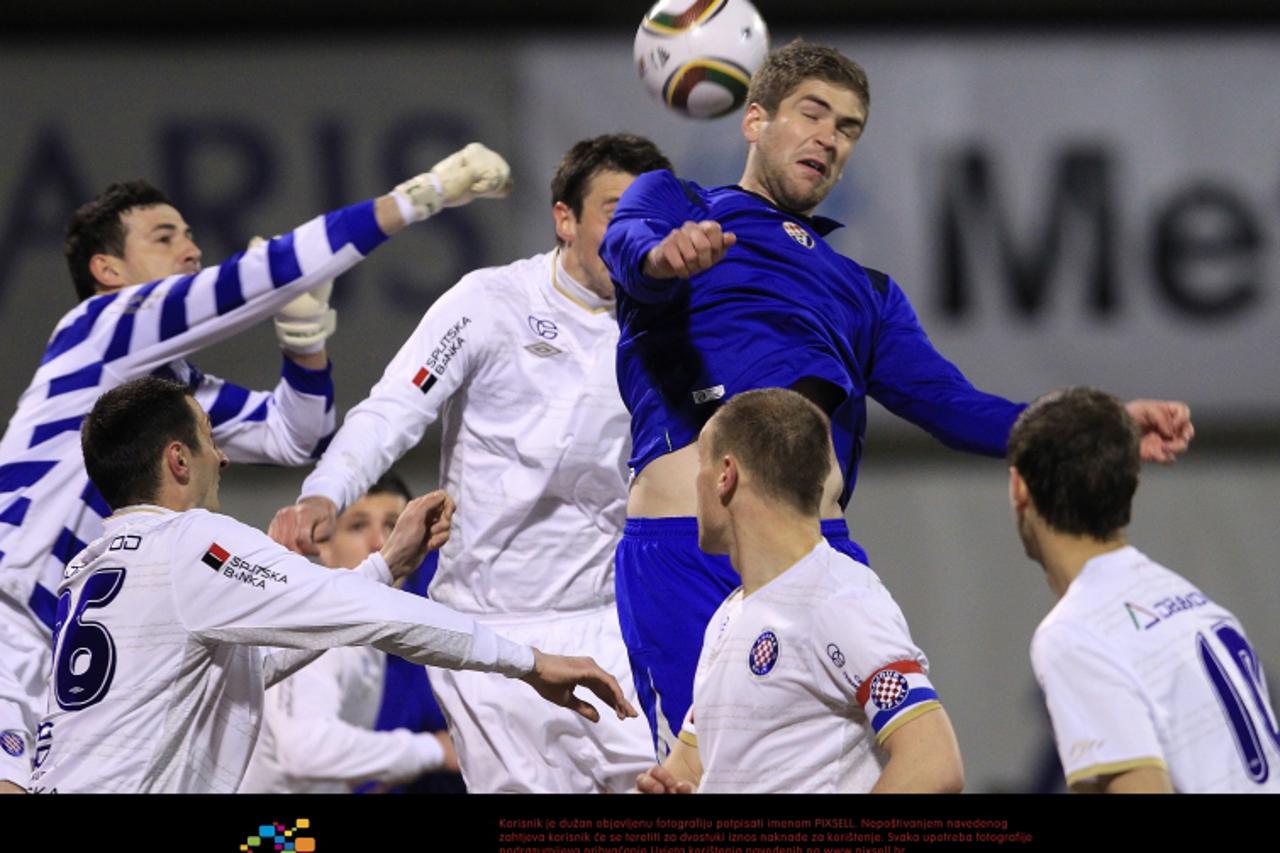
x=146, y=306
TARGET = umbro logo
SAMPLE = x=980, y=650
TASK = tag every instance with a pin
x=543, y=349
x=797, y=233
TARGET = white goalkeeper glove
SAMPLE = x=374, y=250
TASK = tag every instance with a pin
x=474, y=172
x=303, y=325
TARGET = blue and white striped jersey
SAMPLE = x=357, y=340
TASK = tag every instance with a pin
x=48, y=507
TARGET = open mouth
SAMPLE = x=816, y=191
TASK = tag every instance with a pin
x=816, y=165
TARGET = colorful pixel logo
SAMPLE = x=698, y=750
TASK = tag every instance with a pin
x=273, y=836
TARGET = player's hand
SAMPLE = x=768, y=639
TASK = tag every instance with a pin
x=301, y=526
x=7, y=787
x=660, y=780
x=448, y=764
x=303, y=325
x=423, y=526
x=1165, y=426
x=474, y=172
x=688, y=250
x=555, y=677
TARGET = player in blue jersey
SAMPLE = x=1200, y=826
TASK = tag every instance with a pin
x=127, y=328
x=734, y=288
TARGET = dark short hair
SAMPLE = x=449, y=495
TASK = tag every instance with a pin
x=781, y=439
x=613, y=152
x=390, y=484
x=124, y=437
x=1077, y=450
x=95, y=229
x=785, y=68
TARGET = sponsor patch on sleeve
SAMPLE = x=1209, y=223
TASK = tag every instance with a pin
x=451, y=343
x=215, y=556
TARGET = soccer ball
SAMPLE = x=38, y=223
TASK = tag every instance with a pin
x=697, y=56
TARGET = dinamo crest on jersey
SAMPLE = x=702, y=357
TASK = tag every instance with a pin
x=797, y=233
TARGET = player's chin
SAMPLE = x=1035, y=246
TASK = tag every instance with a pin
x=806, y=195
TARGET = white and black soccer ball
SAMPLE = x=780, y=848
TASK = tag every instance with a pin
x=697, y=56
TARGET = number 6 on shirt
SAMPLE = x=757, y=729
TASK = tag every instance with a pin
x=85, y=659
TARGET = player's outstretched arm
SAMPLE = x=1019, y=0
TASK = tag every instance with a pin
x=1165, y=426
x=472, y=173
x=924, y=757
x=679, y=774
x=688, y=250
x=556, y=676
x=151, y=325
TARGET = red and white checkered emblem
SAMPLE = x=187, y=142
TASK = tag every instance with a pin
x=889, y=689
x=764, y=653
x=797, y=233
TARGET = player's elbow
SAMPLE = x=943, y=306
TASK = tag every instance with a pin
x=924, y=758
x=296, y=445
x=949, y=777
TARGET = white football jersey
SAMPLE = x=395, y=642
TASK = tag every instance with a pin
x=1140, y=668
x=317, y=730
x=159, y=675
x=800, y=682
x=518, y=361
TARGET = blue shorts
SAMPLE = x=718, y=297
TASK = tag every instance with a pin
x=668, y=589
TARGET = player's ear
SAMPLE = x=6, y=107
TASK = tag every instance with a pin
x=753, y=122
x=177, y=461
x=1019, y=495
x=566, y=222
x=106, y=269
x=727, y=482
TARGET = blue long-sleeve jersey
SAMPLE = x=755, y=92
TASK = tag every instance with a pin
x=781, y=307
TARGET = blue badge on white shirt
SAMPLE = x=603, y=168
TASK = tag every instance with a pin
x=764, y=653
x=13, y=742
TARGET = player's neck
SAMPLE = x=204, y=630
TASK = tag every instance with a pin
x=574, y=281
x=749, y=183
x=768, y=541
x=174, y=496
x=1064, y=556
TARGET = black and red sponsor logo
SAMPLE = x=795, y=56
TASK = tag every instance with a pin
x=424, y=379
x=450, y=343
x=215, y=556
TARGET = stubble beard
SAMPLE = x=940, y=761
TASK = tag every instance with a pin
x=802, y=201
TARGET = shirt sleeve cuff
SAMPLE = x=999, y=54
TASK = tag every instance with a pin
x=428, y=752
x=318, y=383
x=375, y=568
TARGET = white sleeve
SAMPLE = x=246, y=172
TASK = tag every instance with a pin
x=1100, y=720
x=443, y=353
x=233, y=584
x=313, y=743
x=863, y=646
x=279, y=664
x=287, y=426
x=149, y=325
